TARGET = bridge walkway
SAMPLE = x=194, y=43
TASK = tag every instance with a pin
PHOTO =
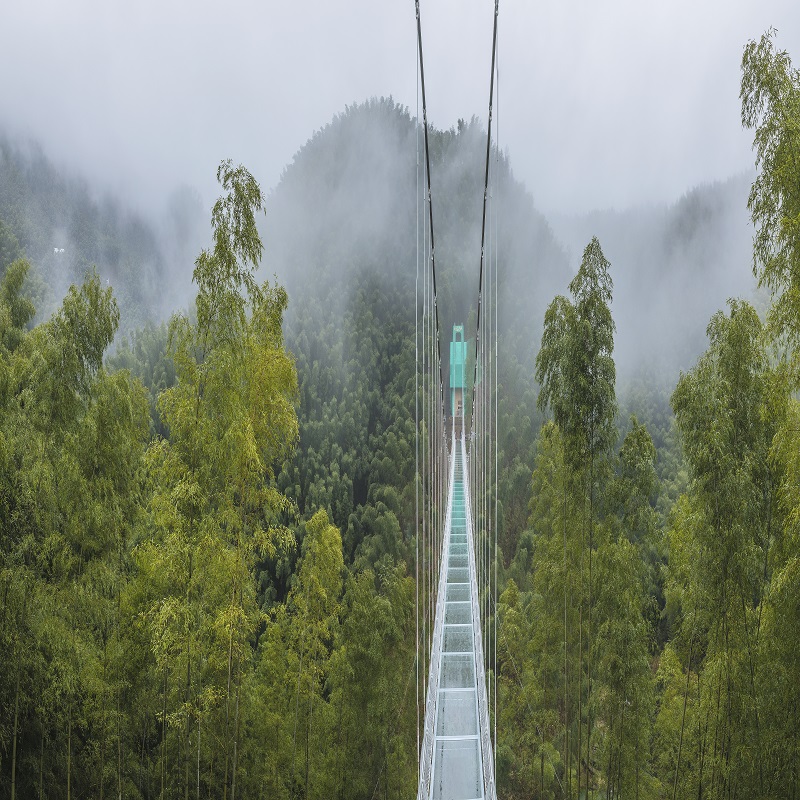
x=456, y=762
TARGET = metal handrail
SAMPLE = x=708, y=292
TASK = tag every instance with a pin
x=487, y=757
x=429, y=736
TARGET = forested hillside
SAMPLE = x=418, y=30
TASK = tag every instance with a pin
x=207, y=524
x=144, y=652
x=647, y=654
x=341, y=228
x=64, y=227
x=659, y=255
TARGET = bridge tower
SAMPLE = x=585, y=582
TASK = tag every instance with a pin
x=459, y=376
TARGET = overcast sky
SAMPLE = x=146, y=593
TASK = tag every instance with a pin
x=601, y=104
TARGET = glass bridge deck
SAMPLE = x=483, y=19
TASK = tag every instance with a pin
x=457, y=769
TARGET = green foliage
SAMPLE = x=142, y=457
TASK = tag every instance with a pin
x=760, y=479
x=218, y=600
x=123, y=570
x=72, y=439
x=727, y=424
x=355, y=457
x=543, y=649
x=770, y=95
x=144, y=354
x=722, y=543
x=16, y=310
x=575, y=366
x=10, y=250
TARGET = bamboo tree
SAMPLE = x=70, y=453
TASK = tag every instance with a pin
x=231, y=418
x=727, y=418
x=576, y=371
x=770, y=95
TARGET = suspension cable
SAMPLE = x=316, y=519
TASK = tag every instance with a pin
x=496, y=385
x=431, y=448
x=416, y=428
x=485, y=184
x=430, y=204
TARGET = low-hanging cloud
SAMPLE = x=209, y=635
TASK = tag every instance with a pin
x=600, y=106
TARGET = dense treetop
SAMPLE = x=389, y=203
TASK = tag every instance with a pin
x=208, y=524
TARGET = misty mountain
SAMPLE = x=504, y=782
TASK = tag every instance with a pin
x=347, y=205
x=673, y=266
x=341, y=233
x=65, y=228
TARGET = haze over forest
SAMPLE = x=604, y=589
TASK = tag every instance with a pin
x=358, y=205
x=608, y=107
x=661, y=126
x=222, y=458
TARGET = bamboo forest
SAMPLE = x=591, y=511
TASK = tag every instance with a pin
x=344, y=510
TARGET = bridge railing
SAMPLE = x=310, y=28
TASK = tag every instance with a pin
x=487, y=756
x=429, y=735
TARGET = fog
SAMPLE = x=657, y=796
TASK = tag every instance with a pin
x=600, y=105
x=673, y=266
x=620, y=121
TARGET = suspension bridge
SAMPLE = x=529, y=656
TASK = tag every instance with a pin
x=456, y=455
x=456, y=761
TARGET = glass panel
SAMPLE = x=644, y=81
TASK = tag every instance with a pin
x=457, y=639
x=457, y=613
x=458, y=671
x=457, y=775
x=457, y=713
x=458, y=592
